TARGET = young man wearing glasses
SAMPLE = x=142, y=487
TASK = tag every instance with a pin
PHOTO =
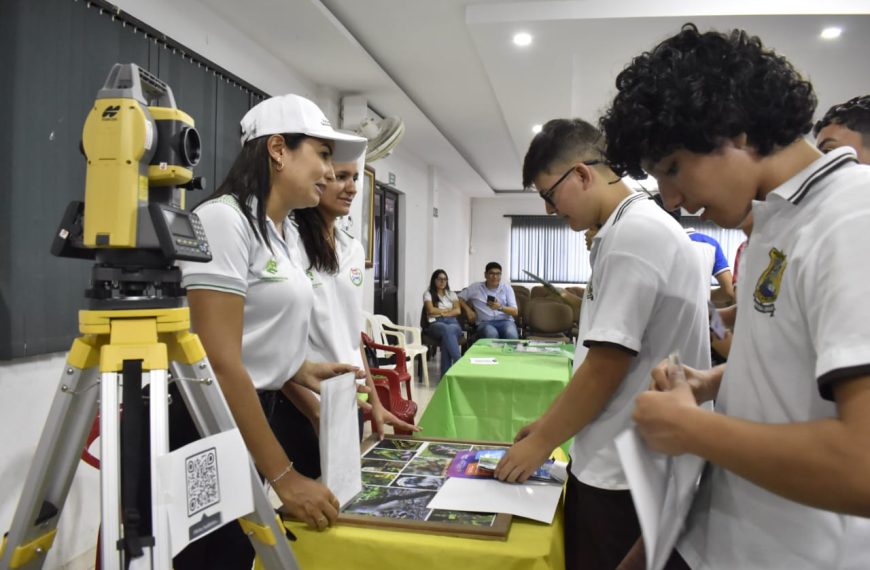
x=491, y=304
x=720, y=121
x=645, y=299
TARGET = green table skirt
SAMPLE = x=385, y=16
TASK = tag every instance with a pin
x=491, y=402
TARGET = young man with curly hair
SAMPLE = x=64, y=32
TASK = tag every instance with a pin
x=719, y=121
x=846, y=124
x=647, y=296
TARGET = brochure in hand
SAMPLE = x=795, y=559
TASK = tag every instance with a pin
x=480, y=464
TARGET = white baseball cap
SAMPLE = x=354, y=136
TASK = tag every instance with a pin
x=293, y=114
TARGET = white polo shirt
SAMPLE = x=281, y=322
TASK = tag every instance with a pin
x=476, y=294
x=646, y=294
x=277, y=293
x=337, y=313
x=804, y=318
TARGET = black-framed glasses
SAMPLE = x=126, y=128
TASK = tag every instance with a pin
x=547, y=195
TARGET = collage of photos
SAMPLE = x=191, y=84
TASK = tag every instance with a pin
x=401, y=476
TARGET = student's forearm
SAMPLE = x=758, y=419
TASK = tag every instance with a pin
x=238, y=389
x=304, y=400
x=512, y=311
x=822, y=463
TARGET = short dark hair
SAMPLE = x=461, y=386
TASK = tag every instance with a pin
x=695, y=90
x=561, y=141
x=854, y=114
x=492, y=265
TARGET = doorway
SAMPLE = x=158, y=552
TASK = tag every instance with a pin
x=386, y=252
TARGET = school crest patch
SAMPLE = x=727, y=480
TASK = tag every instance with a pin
x=767, y=288
x=356, y=276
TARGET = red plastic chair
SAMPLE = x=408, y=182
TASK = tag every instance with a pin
x=400, y=369
x=388, y=385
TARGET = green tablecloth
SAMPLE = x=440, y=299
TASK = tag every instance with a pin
x=493, y=401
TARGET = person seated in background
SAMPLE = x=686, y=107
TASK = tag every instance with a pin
x=442, y=308
x=847, y=124
x=491, y=304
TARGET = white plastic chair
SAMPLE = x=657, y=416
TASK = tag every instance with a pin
x=410, y=339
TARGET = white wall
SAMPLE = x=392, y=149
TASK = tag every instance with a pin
x=491, y=230
x=26, y=383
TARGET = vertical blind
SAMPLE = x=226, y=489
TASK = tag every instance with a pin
x=549, y=248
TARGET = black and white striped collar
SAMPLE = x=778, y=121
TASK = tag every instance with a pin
x=799, y=186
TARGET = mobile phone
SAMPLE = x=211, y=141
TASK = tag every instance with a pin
x=490, y=299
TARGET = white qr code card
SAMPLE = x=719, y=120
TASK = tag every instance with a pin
x=204, y=485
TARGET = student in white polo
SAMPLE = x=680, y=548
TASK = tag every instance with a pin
x=335, y=264
x=645, y=299
x=790, y=446
x=250, y=305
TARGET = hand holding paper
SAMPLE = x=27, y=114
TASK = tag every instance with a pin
x=659, y=415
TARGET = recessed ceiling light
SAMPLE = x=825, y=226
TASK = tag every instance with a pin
x=831, y=33
x=522, y=39
x=536, y=129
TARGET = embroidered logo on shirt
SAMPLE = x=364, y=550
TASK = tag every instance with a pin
x=356, y=276
x=271, y=272
x=767, y=288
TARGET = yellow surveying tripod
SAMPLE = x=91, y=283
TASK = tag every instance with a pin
x=140, y=150
x=158, y=340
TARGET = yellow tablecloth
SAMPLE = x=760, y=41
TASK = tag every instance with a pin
x=530, y=546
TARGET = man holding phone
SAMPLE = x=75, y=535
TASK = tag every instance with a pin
x=491, y=305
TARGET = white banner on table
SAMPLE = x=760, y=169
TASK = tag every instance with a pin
x=204, y=485
x=339, y=437
x=536, y=501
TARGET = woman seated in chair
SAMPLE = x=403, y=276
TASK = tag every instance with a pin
x=442, y=308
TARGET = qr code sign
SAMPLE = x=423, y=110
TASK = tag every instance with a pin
x=203, y=490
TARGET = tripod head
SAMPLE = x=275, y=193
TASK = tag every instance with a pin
x=140, y=150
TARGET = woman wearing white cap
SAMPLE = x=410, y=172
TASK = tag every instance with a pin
x=250, y=305
x=335, y=263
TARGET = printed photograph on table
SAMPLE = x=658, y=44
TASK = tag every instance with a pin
x=373, y=478
x=428, y=466
x=391, y=502
x=418, y=482
x=382, y=466
x=401, y=476
x=391, y=454
x=443, y=449
x=399, y=444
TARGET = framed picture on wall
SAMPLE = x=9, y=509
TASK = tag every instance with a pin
x=367, y=227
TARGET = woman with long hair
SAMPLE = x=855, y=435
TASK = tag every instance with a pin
x=250, y=305
x=335, y=263
x=442, y=308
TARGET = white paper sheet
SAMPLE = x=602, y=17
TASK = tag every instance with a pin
x=662, y=489
x=532, y=501
x=204, y=485
x=339, y=437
